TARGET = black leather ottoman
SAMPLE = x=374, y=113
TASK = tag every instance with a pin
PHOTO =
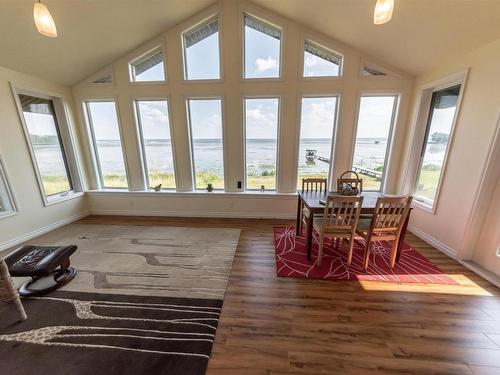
x=48, y=266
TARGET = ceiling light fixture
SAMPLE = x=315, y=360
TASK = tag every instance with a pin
x=383, y=11
x=44, y=21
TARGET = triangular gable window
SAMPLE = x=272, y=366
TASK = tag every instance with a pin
x=149, y=67
x=201, y=51
x=319, y=62
x=108, y=78
x=368, y=71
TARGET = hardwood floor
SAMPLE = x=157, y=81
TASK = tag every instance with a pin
x=275, y=326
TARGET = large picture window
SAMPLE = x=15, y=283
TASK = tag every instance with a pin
x=317, y=123
x=154, y=129
x=46, y=144
x=201, y=52
x=439, y=125
x=105, y=131
x=205, y=120
x=375, y=119
x=261, y=147
x=262, y=49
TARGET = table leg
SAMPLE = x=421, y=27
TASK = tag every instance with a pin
x=402, y=237
x=309, y=235
x=299, y=212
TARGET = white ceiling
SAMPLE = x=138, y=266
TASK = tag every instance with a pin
x=92, y=34
x=421, y=34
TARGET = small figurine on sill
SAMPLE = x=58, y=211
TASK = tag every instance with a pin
x=210, y=187
x=262, y=188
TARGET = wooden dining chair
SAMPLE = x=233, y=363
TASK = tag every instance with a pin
x=339, y=221
x=311, y=184
x=386, y=224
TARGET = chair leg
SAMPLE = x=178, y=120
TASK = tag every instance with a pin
x=367, y=255
x=320, y=250
x=394, y=253
x=351, y=247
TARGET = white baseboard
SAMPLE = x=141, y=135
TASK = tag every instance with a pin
x=231, y=215
x=43, y=230
x=432, y=241
x=481, y=271
x=477, y=269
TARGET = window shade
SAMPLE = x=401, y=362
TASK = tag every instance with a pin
x=147, y=62
x=367, y=71
x=106, y=79
x=201, y=33
x=328, y=56
x=263, y=27
x=36, y=105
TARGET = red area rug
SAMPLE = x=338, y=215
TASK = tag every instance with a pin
x=291, y=261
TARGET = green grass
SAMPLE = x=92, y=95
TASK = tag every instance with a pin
x=55, y=184
x=428, y=182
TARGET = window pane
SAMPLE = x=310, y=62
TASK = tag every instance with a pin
x=6, y=199
x=205, y=118
x=107, y=139
x=316, y=135
x=202, y=52
x=149, y=68
x=443, y=107
x=156, y=143
x=319, y=62
x=262, y=49
x=261, y=123
x=372, y=139
x=44, y=136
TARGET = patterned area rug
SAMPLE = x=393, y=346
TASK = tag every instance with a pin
x=291, y=261
x=146, y=300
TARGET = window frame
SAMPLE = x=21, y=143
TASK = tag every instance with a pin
x=278, y=132
x=390, y=135
x=66, y=142
x=337, y=97
x=93, y=143
x=327, y=50
x=191, y=143
x=140, y=139
x=243, y=48
x=5, y=181
x=421, y=123
x=198, y=25
x=144, y=56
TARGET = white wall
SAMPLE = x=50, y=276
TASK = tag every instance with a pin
x=33, y=215
x=232, y=88
x=461, y=208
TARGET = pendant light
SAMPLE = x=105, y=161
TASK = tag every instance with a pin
x=43, y=20
x=383, y=11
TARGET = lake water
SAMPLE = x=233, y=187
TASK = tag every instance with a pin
x=261, y=155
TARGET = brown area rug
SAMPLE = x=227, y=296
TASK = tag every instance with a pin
x=146, y=300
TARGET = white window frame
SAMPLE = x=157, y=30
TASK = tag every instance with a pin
x=66, y=139
x=334, y=133
x=140, y=138
x=390, y=136
x=184, y=54
x=93, y=143
x=144, y=56
x=420, y=130
x=282, y=38
x=9, y=195
x=191, y=143
x=327, y=50
x=278, y=132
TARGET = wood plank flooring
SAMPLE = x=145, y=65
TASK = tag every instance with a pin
x=276, y=326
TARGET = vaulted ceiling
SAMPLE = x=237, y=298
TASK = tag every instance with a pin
x=92, y=34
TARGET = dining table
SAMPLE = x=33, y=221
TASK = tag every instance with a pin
x=314, y=201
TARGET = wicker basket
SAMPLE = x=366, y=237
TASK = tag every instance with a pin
x=348, y=186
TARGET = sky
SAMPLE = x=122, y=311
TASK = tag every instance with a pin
x=205, y=118
x=261, y=118
x=375, y=114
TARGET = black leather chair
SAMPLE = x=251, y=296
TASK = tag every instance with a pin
x=41, y=263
